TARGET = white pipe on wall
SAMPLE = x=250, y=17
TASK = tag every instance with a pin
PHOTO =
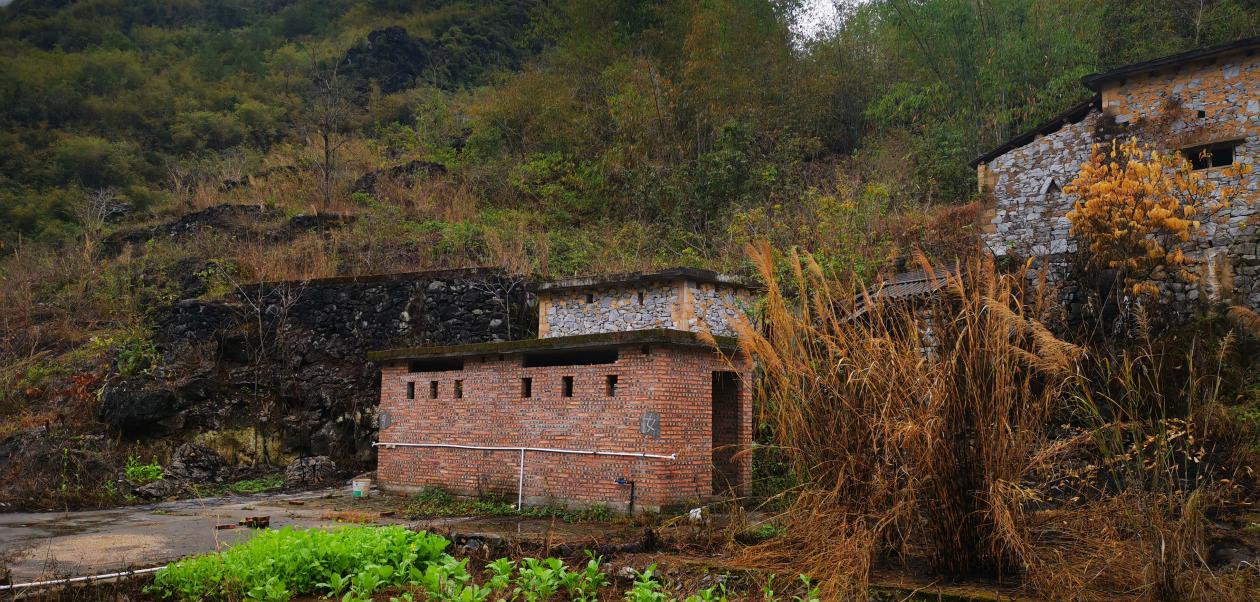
x=520, y=481
x=584, y=452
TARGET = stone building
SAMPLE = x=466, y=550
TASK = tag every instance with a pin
x=635, y=394
x=1205, y=99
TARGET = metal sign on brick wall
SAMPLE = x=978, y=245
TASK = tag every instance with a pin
x=650, y=424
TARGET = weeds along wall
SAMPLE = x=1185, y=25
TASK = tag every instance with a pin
x=486, y=403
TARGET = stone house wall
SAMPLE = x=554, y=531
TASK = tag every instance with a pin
x=678, y=304
x=674, y=382
x=1029, y=216
x=1219, y=101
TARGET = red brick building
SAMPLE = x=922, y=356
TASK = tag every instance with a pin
x=595, y=417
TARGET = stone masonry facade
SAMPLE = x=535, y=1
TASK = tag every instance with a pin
x=1216, y=98
x=484, y=404
x=679, y=303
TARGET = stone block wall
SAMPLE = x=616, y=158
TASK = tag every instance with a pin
x=612, y=308
x=678, y=304
x=1029, y=214
x=490, y=410
x=1219, y=101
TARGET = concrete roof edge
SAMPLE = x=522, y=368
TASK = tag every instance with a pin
x=699, y=275
x=659, y=336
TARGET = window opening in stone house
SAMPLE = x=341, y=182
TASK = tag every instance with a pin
x=610, y=385
x=543, y=359
x=433, y=389
x=566, y=386
x=436, y=365
x=640, y=297
x=590, y=297
x=527, y=387
x=459, y=389
x=411, y=390
x=1207, y=156
x=725, y=427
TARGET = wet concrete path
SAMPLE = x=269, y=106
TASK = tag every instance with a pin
x=45, y=545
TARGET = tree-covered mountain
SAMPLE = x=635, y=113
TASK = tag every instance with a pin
x=687, y=120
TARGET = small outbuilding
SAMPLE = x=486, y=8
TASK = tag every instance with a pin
x=635, y=396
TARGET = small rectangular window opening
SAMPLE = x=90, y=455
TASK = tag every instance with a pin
x=610, y=385
x=459, y=389
x=411, y=390
x=433, y=389
x=527, y=387
x=640, y=297
x=590, y=297
x=1210, y=155
x=567, y=386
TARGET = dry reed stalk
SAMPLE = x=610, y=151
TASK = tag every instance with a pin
x=918, y=417
x=922, y=428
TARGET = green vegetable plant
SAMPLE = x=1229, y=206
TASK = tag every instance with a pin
x=137, y=472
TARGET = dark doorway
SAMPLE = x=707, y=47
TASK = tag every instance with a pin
x=725, y=431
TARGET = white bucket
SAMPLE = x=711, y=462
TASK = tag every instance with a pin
x=359, y=487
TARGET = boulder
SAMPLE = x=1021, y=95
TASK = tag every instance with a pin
x=159, y=489
x=310, y=472
x=195, y=463
x=139, y=405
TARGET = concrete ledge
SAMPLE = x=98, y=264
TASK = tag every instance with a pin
x=659, y=336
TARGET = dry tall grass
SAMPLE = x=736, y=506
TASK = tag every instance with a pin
x=923, y=432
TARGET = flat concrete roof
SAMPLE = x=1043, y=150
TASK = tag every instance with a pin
x=603, y=340
x=632, y=278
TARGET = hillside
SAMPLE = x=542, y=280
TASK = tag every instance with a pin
x=212, y=210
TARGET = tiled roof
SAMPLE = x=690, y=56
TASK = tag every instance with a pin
x=906, y=285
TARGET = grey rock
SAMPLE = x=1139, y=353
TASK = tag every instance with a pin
x=310, y=472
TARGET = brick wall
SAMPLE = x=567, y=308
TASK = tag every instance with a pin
x=1220, y=101
x=672, y=381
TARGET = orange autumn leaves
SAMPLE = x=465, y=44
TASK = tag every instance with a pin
x=1136, y=207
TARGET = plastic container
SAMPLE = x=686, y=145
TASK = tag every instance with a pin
x=360, y=487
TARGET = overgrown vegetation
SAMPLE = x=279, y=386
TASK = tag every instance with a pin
x=437, y=502
x=959, y=430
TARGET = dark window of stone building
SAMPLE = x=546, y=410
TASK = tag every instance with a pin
x=610, y=385
x=527, y=387
x=459, y=389
x=433, y=389
x=590, y=297
x=566, y=386
x=411, y=390
x=640, y=297
x=1202, y=113
x=1210, y=155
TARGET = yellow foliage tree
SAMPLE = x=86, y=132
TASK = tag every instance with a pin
x=1136, y=207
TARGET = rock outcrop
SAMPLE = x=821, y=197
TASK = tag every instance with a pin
x=289, y=358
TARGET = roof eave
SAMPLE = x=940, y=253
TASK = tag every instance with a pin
x=660, y=336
